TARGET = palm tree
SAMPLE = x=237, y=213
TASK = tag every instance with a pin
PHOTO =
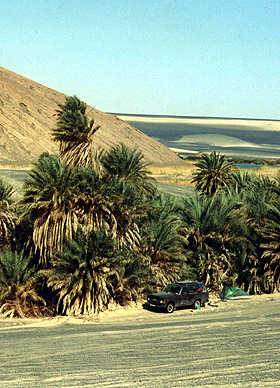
x=215, y=225
x=7, y=218
x=257, y=194
x=50, y=197
x=271, y=244
x=74, y=133
x=214, y=172
x=129, y=189
x=163, y=243
x=127, y=206
x=244, y=180
x=88, y=276
x=6, y=192
x=112, y=206
x=18, y=294
x=123, y=164
x=93, y=203
x=137, y=275
x=60, y=198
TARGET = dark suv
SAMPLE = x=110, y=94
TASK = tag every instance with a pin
x=187, y=293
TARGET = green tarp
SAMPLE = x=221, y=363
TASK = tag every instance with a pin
x=229, y=292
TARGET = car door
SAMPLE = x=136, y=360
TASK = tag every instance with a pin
x=177, y=297
x=185, y=296
x=193, y=287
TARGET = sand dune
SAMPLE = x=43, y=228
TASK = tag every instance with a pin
x=217, y=140
x=265, y=125
x=181, y=150
x=233, y=137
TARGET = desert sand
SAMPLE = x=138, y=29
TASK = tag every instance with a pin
x=231, y=344
x=28, y=114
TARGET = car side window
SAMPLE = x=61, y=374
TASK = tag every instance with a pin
x=185, y=291
x=193, y=288
x=177, y=290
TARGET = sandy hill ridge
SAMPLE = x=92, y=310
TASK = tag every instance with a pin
x=27, y=115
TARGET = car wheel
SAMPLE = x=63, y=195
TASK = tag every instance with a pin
x=169, y=308
x=197, y=304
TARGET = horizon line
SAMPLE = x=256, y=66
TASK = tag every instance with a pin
x=189, y=117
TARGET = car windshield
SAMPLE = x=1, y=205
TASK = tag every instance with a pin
x=172, y=289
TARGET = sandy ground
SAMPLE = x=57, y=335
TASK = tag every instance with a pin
x=233, y=344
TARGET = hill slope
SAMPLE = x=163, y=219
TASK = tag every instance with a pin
x=27, y=115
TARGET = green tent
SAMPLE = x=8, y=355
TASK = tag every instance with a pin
x=229, y=292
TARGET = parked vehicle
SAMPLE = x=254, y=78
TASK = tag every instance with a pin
x=179, y=294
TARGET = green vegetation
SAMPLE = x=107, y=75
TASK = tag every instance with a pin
x=18, y=287
x=7, y=218
x=92, y=230
x=240, y=160
x=213, y=173
x=74, y=132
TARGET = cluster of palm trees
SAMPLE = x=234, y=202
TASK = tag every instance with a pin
x=91, y=229
x=233, y=226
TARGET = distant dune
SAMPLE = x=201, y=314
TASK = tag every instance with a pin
x=217, y=140
x=247, y=138
x=251, y=124
x=28, y=113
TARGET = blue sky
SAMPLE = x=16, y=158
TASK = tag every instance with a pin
x=175, y=57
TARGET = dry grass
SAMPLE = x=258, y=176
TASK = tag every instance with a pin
x=272, y=172
x=176, y=175
x=182, y=175
x=178, y=182
x=184, y=169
